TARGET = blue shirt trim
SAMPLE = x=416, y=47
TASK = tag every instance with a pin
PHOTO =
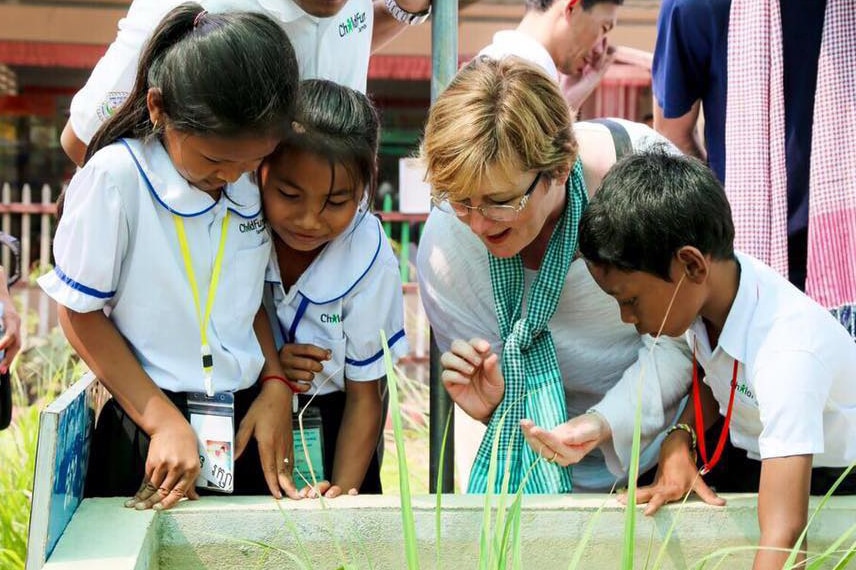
x=392, y=340
x=301, y=310
x=358, y=279
x=152, y=189
x=173, y=210
x=81, y=287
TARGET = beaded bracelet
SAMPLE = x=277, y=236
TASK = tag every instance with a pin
x=687, y=428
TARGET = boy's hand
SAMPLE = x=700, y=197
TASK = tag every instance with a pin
x=172, y=466
x=472, y=377
x=571, y=441
x=677, y=475
x=301, y=362
x=269, y=422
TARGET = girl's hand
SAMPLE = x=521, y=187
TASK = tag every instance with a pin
x=301, y=362
x=172, y=467
x=472, y=377
x=325, y=489
x=269, y=422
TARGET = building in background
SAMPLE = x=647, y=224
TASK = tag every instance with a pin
x=48, y=48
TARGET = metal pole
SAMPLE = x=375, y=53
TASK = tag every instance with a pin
x=444, y=63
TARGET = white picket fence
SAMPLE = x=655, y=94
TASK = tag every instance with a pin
x=25, y=210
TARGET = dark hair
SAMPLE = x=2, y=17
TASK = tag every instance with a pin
x=543, y=5
x=651, y=204
x=227, y=74
x=339, y=124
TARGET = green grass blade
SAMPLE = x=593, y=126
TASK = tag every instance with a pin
x=832, y=550
x=796, y=549
x=410, y=547
x=724, y=552
x=630, y=512
x=662, y=552
x=292, y=528
x=487, y=540
x=500, y=516
x=589, y=530
x=438, y=508
x=847, y=558
x=649, y=548
x=300, y=564
x=511, y=534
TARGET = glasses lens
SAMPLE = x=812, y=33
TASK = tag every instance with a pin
x=457, y=208
x=443, y=204
x=500, y=213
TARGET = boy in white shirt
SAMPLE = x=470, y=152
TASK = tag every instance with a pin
x=332, y=40
x=658, y=236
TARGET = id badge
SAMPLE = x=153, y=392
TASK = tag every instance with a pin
x=213, y=420
x=313, y=435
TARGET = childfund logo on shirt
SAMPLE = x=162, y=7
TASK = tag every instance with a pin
x=257, y=225
x=357, y=23
x=743, y=388
x=331, y=318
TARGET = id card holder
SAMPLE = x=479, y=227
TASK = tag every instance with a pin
x=313, y=436
x=213, y=420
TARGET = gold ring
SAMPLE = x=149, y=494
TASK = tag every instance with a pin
x=552, y=459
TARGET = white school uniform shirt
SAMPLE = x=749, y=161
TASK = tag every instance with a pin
x=116, y=250
x=349, y=293
x=524, y=46
x=336, y=48
x=796, y=377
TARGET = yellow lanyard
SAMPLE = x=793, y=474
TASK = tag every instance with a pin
x=207, y=359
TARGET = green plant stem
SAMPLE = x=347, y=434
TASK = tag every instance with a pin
x=410, y=546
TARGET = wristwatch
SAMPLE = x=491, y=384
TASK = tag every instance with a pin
x=406, y=17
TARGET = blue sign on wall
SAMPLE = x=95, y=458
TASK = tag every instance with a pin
x=65, y=430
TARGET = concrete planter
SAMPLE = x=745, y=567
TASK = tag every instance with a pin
x=217, y=532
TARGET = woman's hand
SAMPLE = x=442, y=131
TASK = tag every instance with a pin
x=569, y=442
x=269, y=422
x=172, y=467
x=301, y=362
x=472, y=377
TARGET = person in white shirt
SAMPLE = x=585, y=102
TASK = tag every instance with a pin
x=499, y=126
x=160, y=258
x=331, y=39
x=568, y=38
x=333, y=279
x=658, y=237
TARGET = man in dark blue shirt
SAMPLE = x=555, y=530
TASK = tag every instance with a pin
x=690, y=74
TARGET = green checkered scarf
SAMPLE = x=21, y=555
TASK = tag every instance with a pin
x=533, y=382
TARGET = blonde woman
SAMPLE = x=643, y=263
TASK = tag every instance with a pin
x=527, y=333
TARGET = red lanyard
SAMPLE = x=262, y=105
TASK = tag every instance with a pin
x=699, y=416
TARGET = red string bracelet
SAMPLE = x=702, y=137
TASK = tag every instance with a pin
x=282, y=379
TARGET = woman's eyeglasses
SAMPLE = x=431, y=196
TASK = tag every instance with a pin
x=495, y=212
